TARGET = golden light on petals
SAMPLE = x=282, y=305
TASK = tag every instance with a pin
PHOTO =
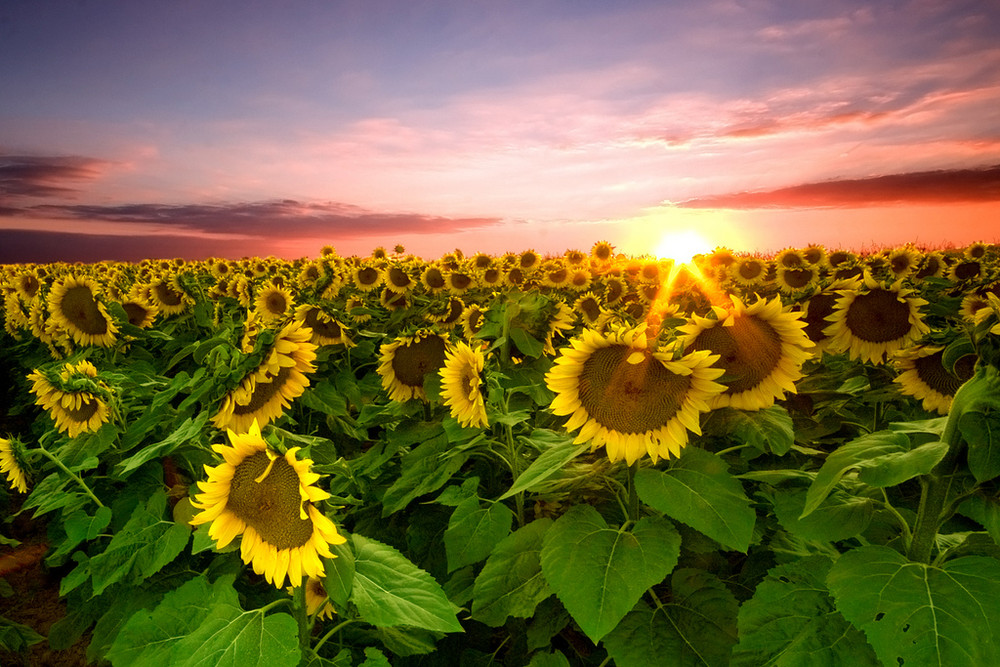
x=269, y=500
x=922, y=374
x=405, y=362
x=629, y=400
x=461, y=384
x=74, y=306
x=12, y=467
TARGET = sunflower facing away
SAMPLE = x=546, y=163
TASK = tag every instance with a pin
x=405, y=361
x=265, y=393
x=924, y=376
x=632, y=401
x=12, y=465
x=269, y=499
x=461, y=383
x=873, y=321
x=761, y=348
x=81, y=410
x=74, y=306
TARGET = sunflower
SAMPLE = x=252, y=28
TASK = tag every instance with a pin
x=459, y=281
x=792, y=280
x=75, y=399
x=74, y=306
x=924, y=376
x=140, y=310
x=631, y=401
x=590, y=310
x=12, y=464
x=325, y=329
x=968, y=270
x=903, y=261
x=27, y=284
x=815, y=254
x=317, y=599
x=491, y=276
x=761, y=349
x=976, y=251
x=269, y=499
x=579, y=279
x=841, y=258
x=602, y=251
x=472, y=320
x=433, y=279
x=873, y=321
x=391, y=300
x=529, y=261
x=461, y=383
x=167, y=295
x=266, y=392
x=932, y=266
x=398, y=279
x=405, y=362
x=273, y=303
x=614, y=290
x=749, y=271
x=367, y=277
x=791, y=258
x=450, y=315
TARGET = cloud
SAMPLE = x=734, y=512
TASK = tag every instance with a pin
x=37, y=176
x=925, y=187
x=267, y=219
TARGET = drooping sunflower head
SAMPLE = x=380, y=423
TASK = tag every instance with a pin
x=74, y=396
x=269, y=500
x=588, y=307
x=875, y=320
x=405, y=362
x=923, y=375
x=761, y=349
x=12, y=464
x=472, y=320
x=266, y=392
x=140, y=309
x=74, y=305
x=932, y=265
x=326, y=330
x=168, y=295
x=461, y=382
x=629, y=399
x=447, y=313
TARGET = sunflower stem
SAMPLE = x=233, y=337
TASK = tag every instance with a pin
x=331, y=632
x=934, y=488
x=633, y=495
x=301, y=617
x=73, y=475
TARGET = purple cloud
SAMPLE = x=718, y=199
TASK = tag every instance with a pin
x=946, y=186
x=37, y=176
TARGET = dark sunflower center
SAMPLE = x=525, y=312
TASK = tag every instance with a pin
x=263, y=392
x=558, y=276
x=931, y=266
x=87, y=409
x=516, y=276
x=80, y=308
x=899, y=263
x=932, y=372
x=29, y=285
x=455, y=308
x=323, y=327
x=411, y=362
x=629, y=398
x=491, y=276
x=136, y=312
x=276, y=303
x=470, y=381
x=613, y=291
x=749, y=351
x=968, y=270
x=270, y=506
x=580, y=279
x=312, y=273
x=434, y=279
x=368, y=276
x=751, y=270
x=798, y=278
x=475, y=320
x=878, y=316
x=460, y=280
x=590, y=309
x=399, y=278
x=167, y=295
x=820, y=306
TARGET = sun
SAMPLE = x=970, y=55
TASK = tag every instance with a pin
x=682, y=245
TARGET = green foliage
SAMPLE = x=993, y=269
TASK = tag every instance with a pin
x=511, y=582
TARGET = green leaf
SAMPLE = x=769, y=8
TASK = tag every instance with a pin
x=699, y=491
x=16, y=638
x=549, y=462
x=526, y=343
x=791, y=620
x=898, y=467
x=696, y=627
x=390, y=590
x=374, y=658
x=556, y=659
x=511, y=582
x=839, y=516
x=600, y=572
x=144, y=545
x=768, y=430
x=916, y=614
x=473, y=531
x=980, y=428
x=339, y=579
x=80, y=526
x=405, y=640
x=188, y=431
x=849, y=457
x=425, y=469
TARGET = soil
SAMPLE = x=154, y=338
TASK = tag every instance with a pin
x=35, y=602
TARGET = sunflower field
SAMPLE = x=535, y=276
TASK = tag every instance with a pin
x=585, y=459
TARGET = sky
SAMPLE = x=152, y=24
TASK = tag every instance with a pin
x=230, y=128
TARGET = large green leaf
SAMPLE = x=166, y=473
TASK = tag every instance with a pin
x=473, y=531
x=839, y=516
x=848, y=457
x=981, y=431
x=144, y=545
x=791, y=621
x=917, y=614
x=426, y=468
x=599, y=572
x=511, y=582
x=390, y=590
x=553, y=458
x=769, y=430
x=339, y=579
x=898, y=467
x=202, y=624
x=697, y=626
x=699, y=491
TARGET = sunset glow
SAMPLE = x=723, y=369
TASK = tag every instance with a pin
x=131, y=130
x=682, y=246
